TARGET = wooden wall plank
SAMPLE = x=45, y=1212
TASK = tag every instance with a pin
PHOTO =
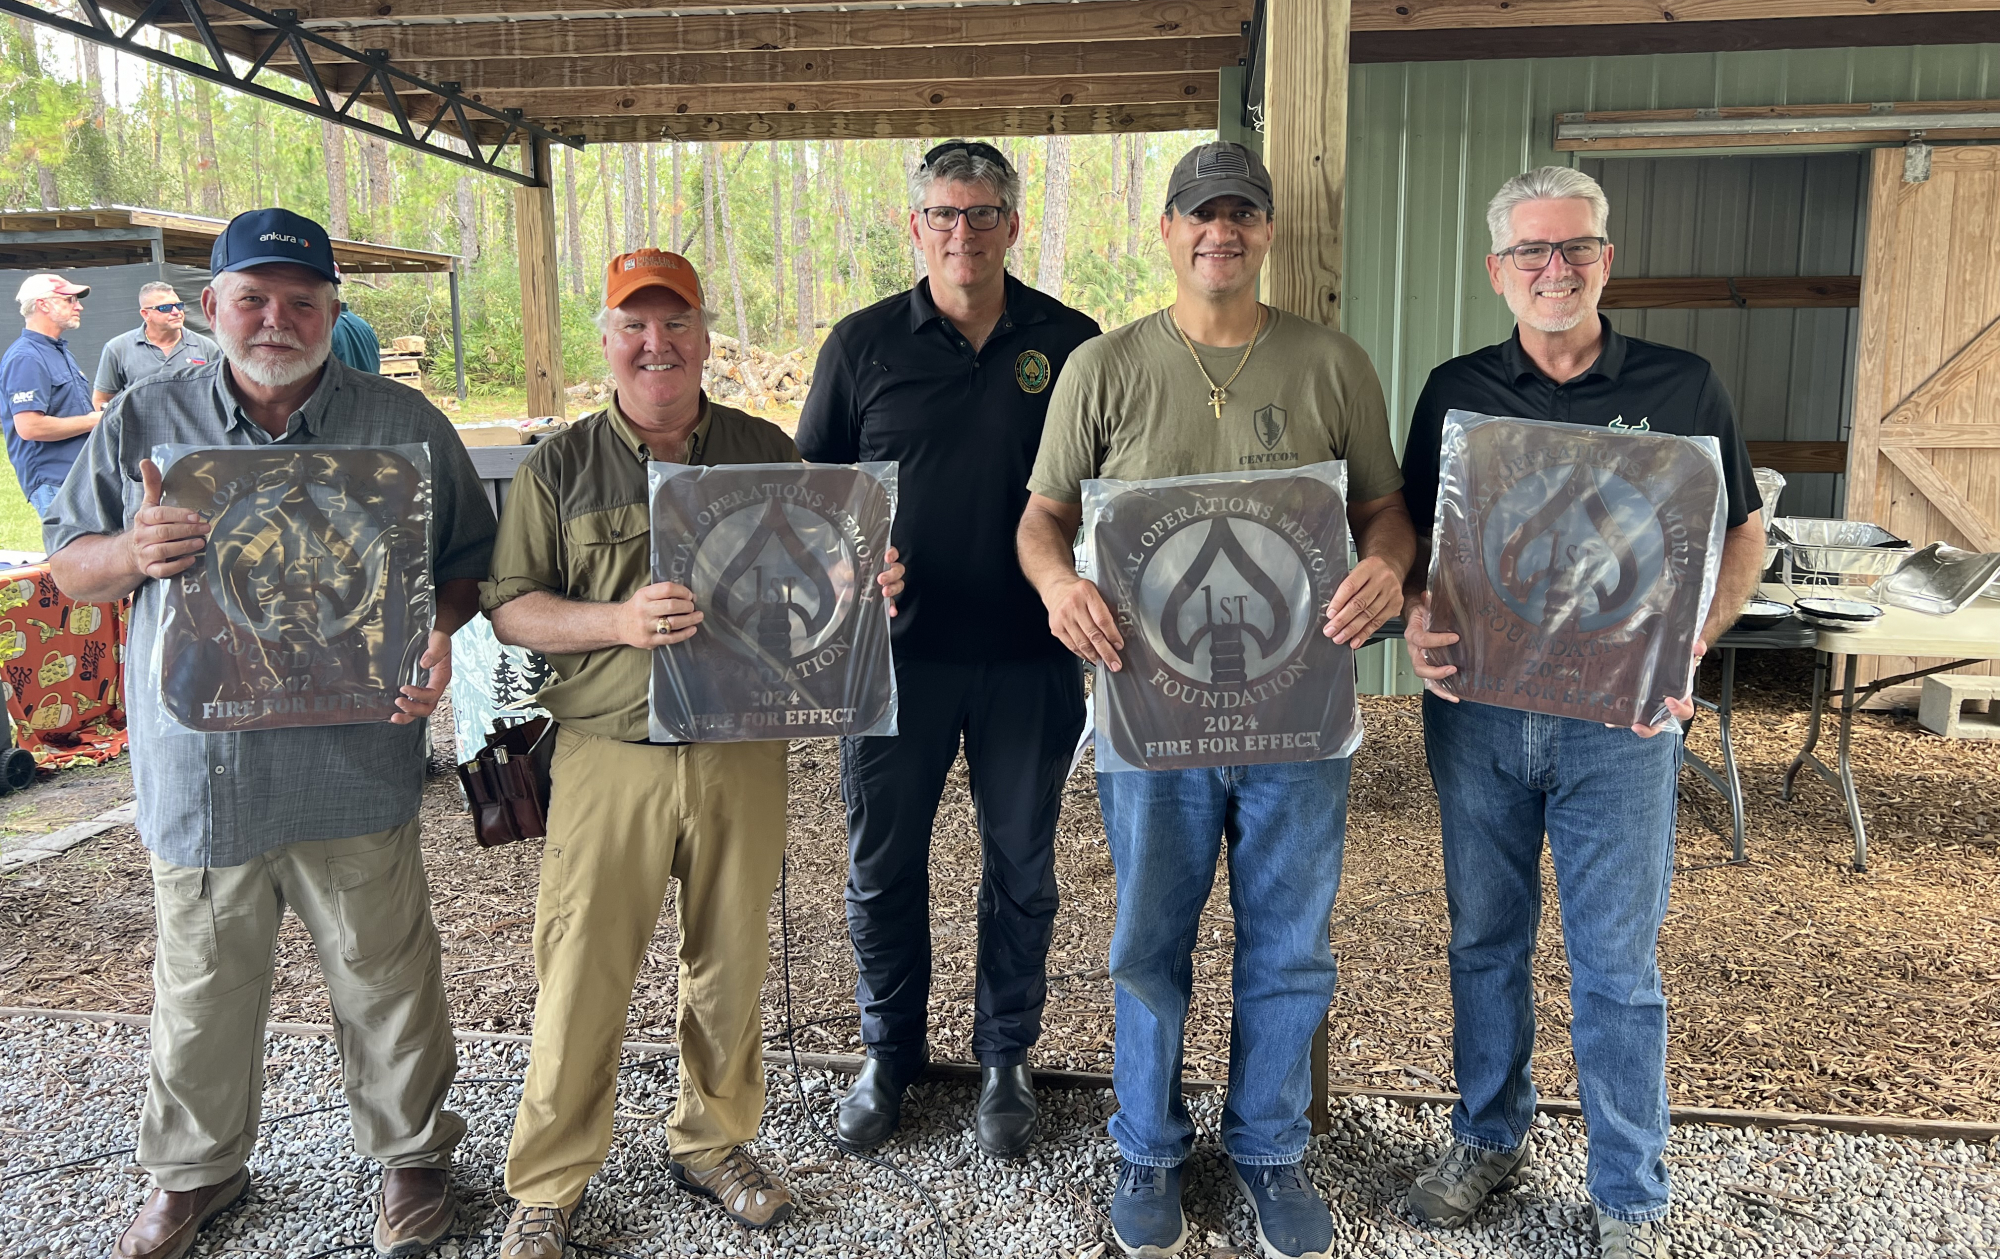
x=891, y=124
x=1721, y=293
x=1799, y=456
x=1305, y=147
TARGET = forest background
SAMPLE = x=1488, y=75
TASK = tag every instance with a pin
x=789, y=236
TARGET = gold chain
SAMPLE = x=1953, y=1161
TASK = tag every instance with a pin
x=1216, y=393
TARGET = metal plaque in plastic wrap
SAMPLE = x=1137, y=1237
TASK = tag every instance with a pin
x=1220, y=586
x=312, y=601
x=782, y=559
x=1575, y=563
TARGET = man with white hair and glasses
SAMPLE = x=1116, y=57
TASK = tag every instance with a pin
x=952, y=379
x=1603, y=795
x=319, y=818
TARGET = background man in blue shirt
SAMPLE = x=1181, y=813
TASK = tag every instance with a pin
x=48, y=397
x=952, y=380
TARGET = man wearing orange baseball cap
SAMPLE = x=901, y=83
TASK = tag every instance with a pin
x=572, y=578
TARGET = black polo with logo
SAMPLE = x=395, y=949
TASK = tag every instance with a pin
x=1633, y=384
x=899, y=381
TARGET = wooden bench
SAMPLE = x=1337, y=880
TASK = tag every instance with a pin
x=1942, y=709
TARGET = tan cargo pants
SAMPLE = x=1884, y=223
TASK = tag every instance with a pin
x=624, y=820
x=367, y=905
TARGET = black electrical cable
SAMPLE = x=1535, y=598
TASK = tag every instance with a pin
x=798, y=1072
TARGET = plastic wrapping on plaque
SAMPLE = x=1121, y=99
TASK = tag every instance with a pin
x=782, y=559
x=1220, y=586
x=311, y=603
x=1575, y=563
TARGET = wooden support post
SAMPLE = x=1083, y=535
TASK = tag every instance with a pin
x=1305, y=146
x=541, y=298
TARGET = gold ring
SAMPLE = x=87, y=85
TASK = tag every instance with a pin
x=665, y=625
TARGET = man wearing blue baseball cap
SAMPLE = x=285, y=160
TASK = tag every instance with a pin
x=319, y=818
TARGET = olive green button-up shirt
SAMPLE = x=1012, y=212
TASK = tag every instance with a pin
x=575, y=525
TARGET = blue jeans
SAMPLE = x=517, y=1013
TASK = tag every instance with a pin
x=1285, y=825
x=1605, y=798
x=40, y=497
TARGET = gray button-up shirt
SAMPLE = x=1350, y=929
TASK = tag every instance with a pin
x=129, y=358
x=223, y=799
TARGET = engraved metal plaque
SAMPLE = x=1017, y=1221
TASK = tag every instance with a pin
x=1220, y=585
x=783, y=561
x=311, y=603
x=1575, y=563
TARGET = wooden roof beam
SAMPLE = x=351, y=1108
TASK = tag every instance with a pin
x=839, y=97
x=851, y=65
x=892, y=124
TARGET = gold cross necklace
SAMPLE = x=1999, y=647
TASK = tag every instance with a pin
x=1216, y=393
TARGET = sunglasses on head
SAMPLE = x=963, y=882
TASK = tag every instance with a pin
x=168, y=308
x=971, y=148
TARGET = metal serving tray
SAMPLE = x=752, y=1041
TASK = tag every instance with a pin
x=1832, y=552
x=1938, y=580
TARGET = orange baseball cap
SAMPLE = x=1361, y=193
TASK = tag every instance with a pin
x=651, y=268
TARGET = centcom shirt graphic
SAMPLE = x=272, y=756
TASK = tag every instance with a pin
x=1219, y=585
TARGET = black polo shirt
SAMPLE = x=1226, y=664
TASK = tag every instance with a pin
x=1633, y=384
x=898, y=381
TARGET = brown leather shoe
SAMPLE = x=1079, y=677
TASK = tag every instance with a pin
x=166, y=1225
x=746, y=1192
x=413, y=1210
x=538, y=1232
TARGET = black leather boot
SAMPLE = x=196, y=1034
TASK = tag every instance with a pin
x=869, y=1113
x=1007, y=1110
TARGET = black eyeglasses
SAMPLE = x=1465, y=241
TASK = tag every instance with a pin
x=971, y=148
x=943, y=218
x=1535, y=254
x=167, y=308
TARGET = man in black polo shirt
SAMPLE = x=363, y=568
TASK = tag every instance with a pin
x=951, y=379
x=1603, y=795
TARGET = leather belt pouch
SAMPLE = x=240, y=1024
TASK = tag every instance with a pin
x=507, y=782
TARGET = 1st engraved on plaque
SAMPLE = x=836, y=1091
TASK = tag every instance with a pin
x=782, y=560
x=1219, y=585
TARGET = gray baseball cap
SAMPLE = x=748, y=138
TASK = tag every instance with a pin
x=1218, y=169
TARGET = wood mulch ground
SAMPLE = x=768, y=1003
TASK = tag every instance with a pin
x=1794, y=982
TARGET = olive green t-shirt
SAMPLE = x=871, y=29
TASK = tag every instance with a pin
x=1131, y=405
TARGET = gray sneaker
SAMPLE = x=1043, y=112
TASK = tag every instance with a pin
x=1617, y=1239
x=1450, y=1192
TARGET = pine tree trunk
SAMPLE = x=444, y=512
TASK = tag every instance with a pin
x=181, y=145
x=651, y=200
x=1049, y=263
x=674, y=241
x=333, y=144
x=750, y=381
x=710, y=168
x=802, y=270
x=468, y=221
x=93, y=78
x=913, y=157
x=1117, y=191
x=777, y=245
x=572, y=223
x=635, y=234
x=381, y=188
x=1135, y=204
x=604, y=181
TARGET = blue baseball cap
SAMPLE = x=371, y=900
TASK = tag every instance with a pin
x=256, y=237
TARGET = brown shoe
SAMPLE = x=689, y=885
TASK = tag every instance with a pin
x=538, y=1232
x=746, y=1192
x=166, y=1225
x=413, y=1210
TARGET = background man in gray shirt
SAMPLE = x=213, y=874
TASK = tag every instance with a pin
x=160, y=343
x=320, y=818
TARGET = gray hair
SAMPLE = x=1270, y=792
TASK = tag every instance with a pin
x=1544, y=183
x=28, y=307
x=153, y=288
x=603, y=319
x=961, y=167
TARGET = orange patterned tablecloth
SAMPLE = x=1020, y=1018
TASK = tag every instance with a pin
x=63, y=664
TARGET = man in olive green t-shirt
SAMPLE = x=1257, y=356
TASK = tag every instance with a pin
x=1219, y=383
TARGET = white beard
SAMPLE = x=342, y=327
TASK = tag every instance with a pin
x=241, y=357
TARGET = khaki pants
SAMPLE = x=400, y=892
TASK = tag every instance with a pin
x=626, y=818
x=367, y=905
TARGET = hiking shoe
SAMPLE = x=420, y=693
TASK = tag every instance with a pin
x=746, y=1192
x=538, y=1232
x=1450, y=1192
x=1146, y=1212
x=1292, y=1219
x=1621, y=1239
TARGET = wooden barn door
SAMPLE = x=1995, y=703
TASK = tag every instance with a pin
x=1924, y=454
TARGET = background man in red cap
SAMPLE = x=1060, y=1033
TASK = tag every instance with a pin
x=49, y=410
x=572, y=578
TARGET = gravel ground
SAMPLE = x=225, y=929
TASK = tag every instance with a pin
x=75, y=1088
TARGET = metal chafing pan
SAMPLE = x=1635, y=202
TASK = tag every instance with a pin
x=1938, y=580
x=1834, y=551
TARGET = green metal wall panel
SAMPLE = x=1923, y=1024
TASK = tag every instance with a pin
x=1429, y=142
